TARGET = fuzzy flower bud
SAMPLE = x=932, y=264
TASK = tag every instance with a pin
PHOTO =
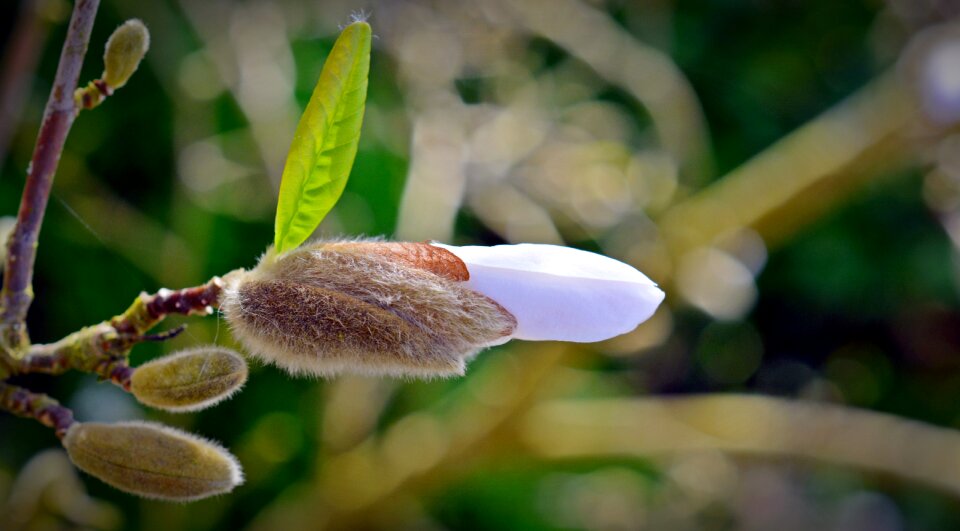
x=152, y=460
x=125, y=48
x=424, y=309
x=371, y=307
x=189, y=380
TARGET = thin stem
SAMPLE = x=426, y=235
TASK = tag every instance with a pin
x=102, y=349
x=148, y=310
x=44, y=409
x=17, y=293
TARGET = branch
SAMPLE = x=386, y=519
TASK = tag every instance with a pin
x=801, y=175
x=17, y=293
x=148, y=310
x=44, y=409
x=102, y=349
x=744, y=425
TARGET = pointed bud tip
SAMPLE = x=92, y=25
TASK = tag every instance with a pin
x=561, y=293
x=152, y=460
x=360, y=16
x=189, y=380
x=124, y=50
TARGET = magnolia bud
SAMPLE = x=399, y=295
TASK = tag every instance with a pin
x=152, y=460
x=189, y=380
x=125, y=48
x=372, y=307
x=559, y=293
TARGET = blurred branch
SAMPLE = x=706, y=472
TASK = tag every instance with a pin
x=253, y=57
x=437, y=177
x=802, y=175
x=19, y=61
x=17, y=293
x=457, y=433
x=748, y=425
x=646, y=73
x=48, y=485
x=512, y=214
x=423, y=449
x=352, y=406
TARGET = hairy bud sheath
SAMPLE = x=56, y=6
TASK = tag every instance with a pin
x=373, y=307
x=152, y=460
x=124, y=50
x=189, y=380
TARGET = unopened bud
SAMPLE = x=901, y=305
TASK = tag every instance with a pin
x=368, y=307
x=152, y=460
x=189, y=380
x=559, y=293
x=125, y=48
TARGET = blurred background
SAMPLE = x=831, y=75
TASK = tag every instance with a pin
x=789, y=172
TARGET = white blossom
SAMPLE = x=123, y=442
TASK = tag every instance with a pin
x=560, y=293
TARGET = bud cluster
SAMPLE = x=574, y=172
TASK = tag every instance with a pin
x=155, y=461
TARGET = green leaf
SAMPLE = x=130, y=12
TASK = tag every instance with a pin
x=325, y=143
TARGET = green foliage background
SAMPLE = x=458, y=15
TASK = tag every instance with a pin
x=858, y=307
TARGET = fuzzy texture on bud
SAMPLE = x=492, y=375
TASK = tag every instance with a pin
x=371, y=307
x=152, y=460
x=189, y=380
x=125, y=48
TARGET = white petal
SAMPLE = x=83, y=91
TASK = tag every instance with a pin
x=559, y=293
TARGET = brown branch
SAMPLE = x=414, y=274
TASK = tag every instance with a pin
x=96, y=349
x=17, y=293
x=44, y=409
x=102, y=349
x=148, y=310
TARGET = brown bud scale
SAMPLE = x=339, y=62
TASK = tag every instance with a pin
x=420, y=255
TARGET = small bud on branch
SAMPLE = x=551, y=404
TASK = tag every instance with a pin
x=189, y=380
x=152, y=460
x=124, y=50
x=122, y=55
